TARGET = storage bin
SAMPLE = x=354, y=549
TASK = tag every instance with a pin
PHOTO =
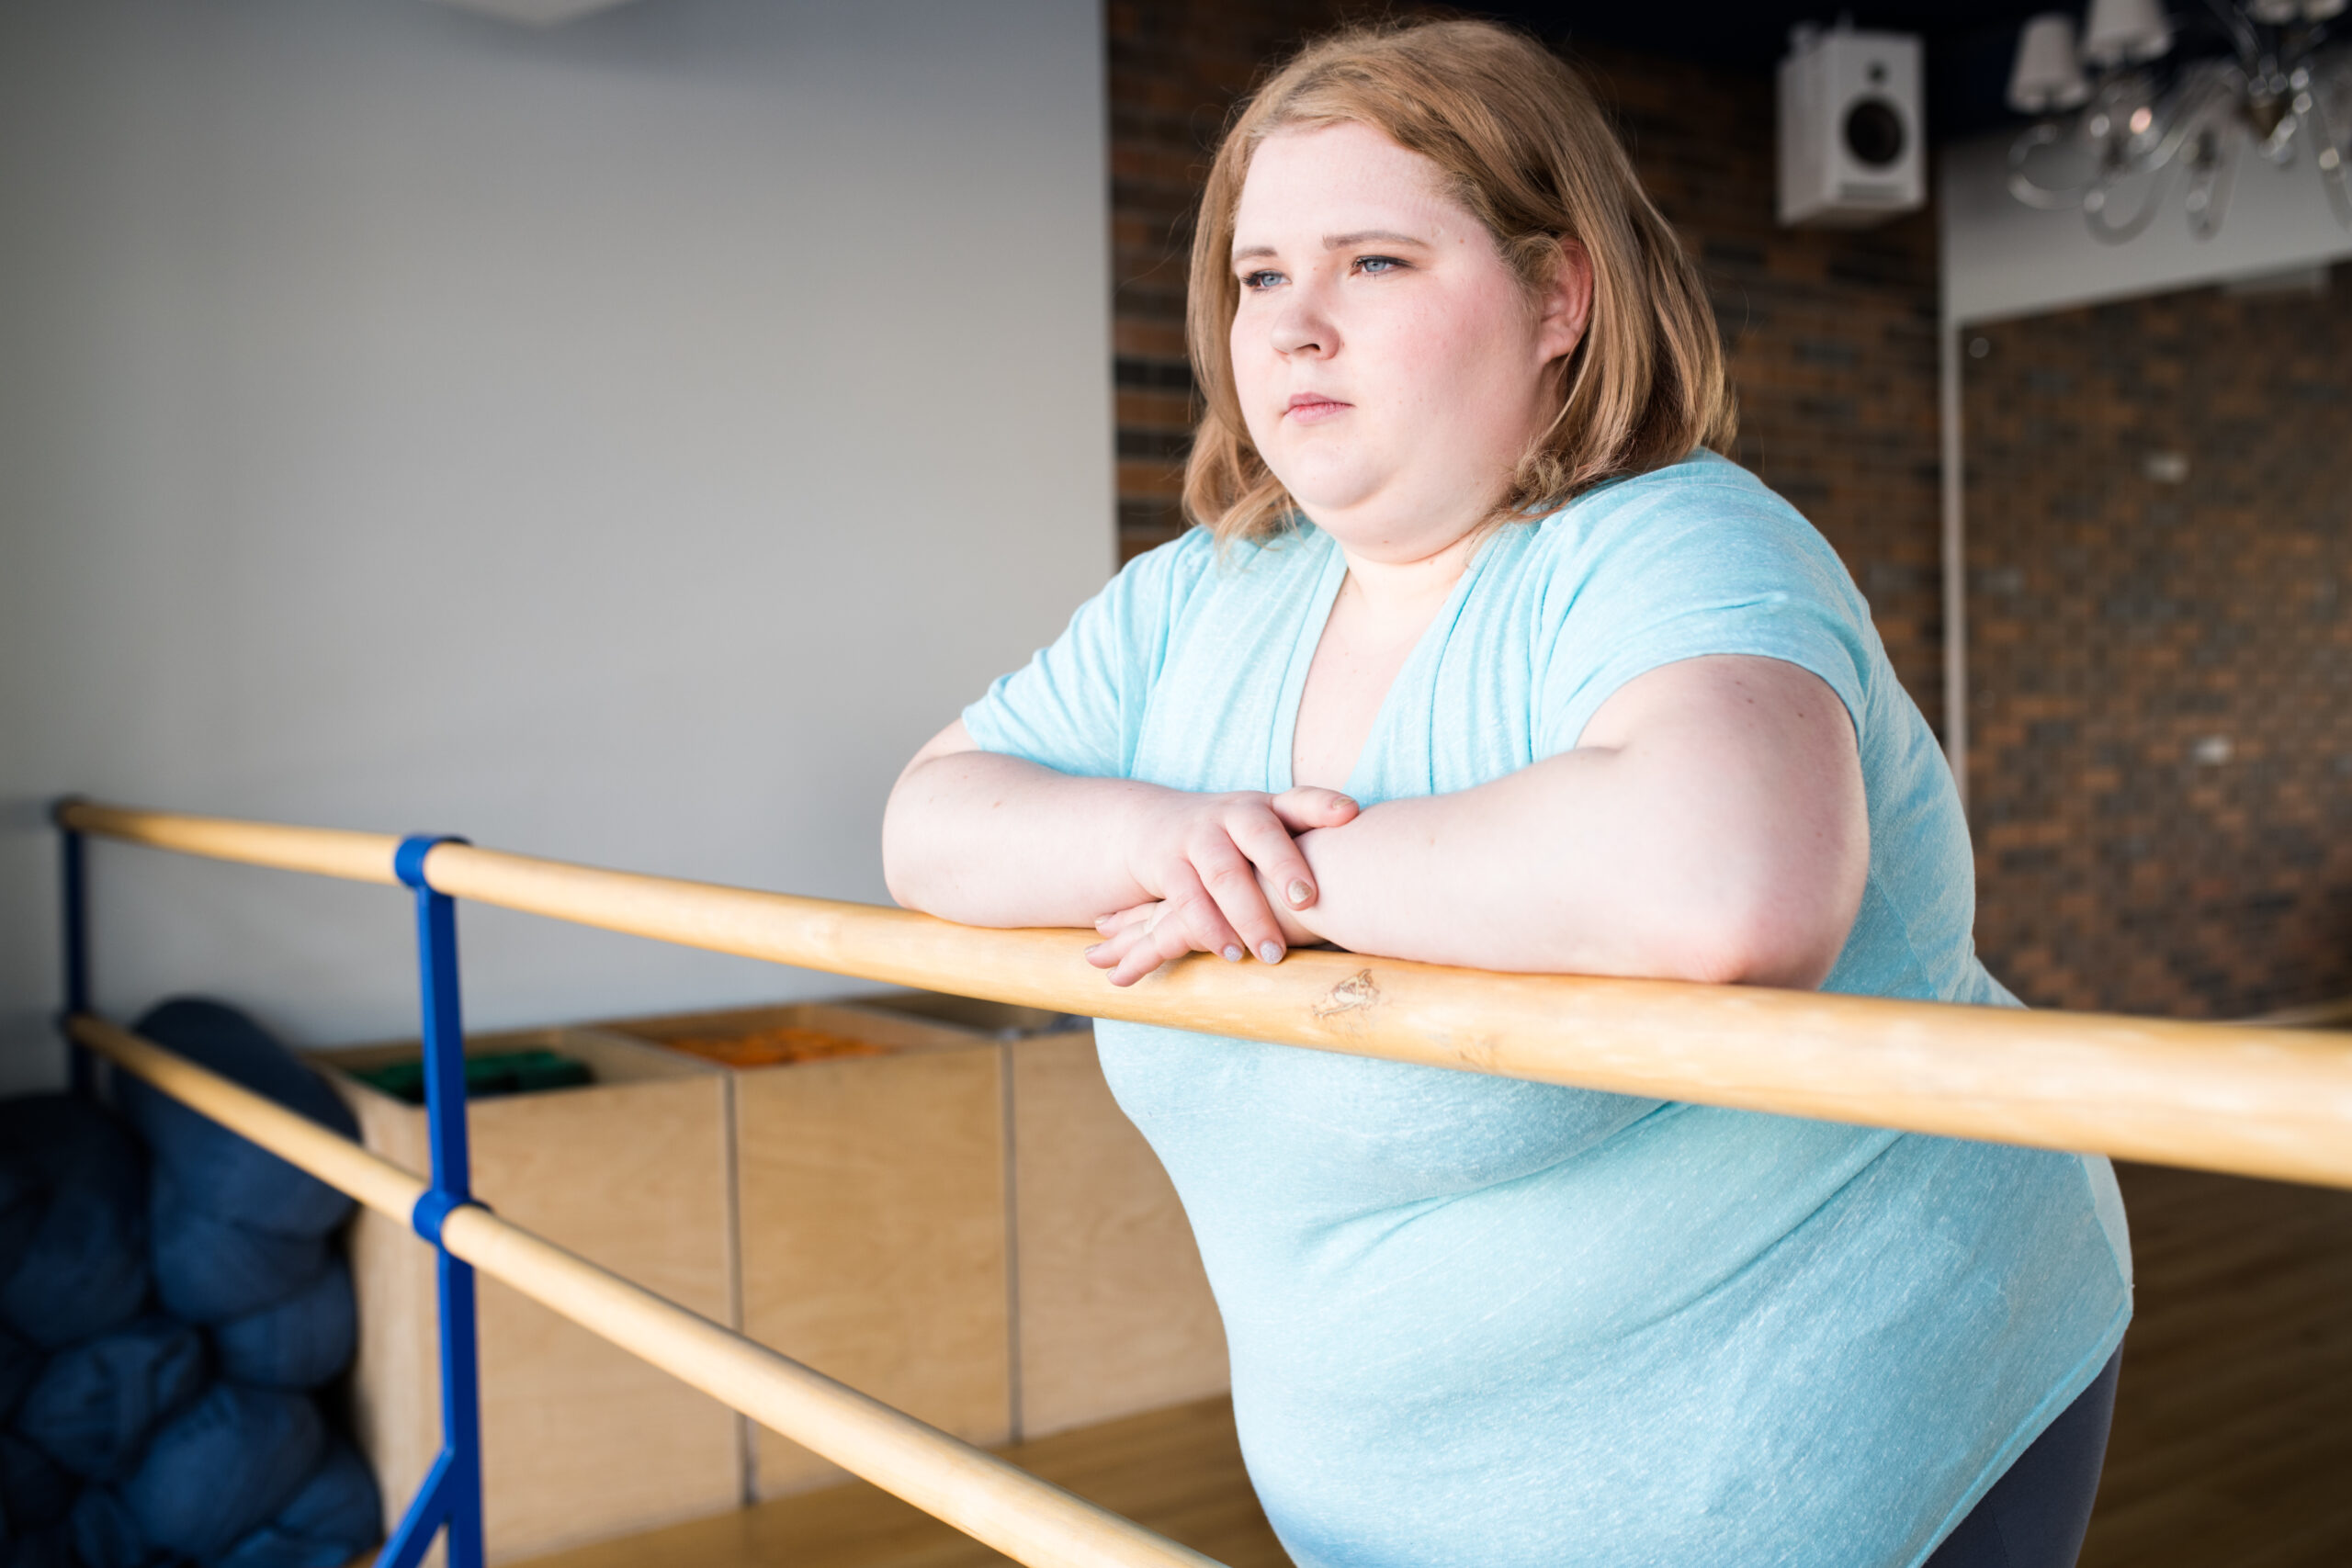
x=871, y=1213
x=1113, y=1310
x=581, y=1440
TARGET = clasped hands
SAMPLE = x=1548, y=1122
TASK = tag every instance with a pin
x=1226, y=875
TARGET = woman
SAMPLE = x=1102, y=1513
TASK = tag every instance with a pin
x=1480, y=655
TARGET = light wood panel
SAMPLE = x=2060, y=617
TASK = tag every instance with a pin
x=874, y=1248
x=870, y=1207
x=1177, y=1471
x=1112, y=1309
x=1115, y=1314
x=580, y=1440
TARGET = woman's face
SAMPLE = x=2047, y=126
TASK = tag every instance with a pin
x=1391, y=367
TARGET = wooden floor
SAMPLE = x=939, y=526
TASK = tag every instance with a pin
x=1177, y=1471
x=2232, y=1443
x=2233, y=1440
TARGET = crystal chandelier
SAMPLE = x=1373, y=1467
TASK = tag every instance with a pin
x=2145, y=124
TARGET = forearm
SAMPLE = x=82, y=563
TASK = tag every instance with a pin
x=994, y=841
x=1597, y=862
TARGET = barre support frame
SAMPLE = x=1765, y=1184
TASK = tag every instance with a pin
x=994, y=1502
x=450, y=1498
x=74, y=942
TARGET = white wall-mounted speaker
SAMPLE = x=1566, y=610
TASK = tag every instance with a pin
x=1853, y=138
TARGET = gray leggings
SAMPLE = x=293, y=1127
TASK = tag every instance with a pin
x=2035, y=1515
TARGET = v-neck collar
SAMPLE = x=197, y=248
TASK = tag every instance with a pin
x=1282, y=741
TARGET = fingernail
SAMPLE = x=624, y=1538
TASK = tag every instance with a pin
x=1300, y=892
x=1095, y=949
x=1234, y=955
x=1272, y=951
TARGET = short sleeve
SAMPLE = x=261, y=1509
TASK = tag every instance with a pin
x=1077, y=706
x=1683, y=568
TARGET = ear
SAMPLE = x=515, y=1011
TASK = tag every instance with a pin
x=1564, y=303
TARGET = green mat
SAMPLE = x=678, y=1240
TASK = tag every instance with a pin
x=487, y=1076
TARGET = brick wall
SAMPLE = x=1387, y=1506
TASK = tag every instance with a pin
x=2160, y=515
x=1832, y=335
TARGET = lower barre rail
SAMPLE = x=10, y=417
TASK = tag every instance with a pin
x=997, y=1503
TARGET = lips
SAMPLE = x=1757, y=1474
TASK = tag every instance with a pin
x=1310, y=408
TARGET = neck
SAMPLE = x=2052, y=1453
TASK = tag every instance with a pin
x=1387, y=586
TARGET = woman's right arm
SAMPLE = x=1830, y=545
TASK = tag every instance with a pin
x=988, y=839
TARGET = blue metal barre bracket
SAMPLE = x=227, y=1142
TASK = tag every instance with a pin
x=450, y=1497
x=73, y=944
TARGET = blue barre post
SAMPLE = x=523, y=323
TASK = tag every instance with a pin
x=451, y=1496
x=73, y=944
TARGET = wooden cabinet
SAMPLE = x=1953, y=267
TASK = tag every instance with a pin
x=581, y=1440
x=959, y=1222
x=1113, y=1309
x=870, y=1196
x=1115, y=1314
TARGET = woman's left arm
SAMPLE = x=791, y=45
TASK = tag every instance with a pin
x=1709, y=824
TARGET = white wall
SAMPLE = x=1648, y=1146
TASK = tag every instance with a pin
x=2002, y=258
x=624, y=443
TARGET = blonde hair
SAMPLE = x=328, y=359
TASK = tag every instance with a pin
x=1527, y=149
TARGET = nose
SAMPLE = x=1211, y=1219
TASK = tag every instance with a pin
x=1302, y=328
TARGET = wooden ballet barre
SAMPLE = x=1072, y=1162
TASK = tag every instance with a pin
x=322, y=851
x=2251, y=1100
x=997, y=1504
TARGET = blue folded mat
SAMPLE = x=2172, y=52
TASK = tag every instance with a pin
x=300, y=1342
x=34, y=1489
x=104, y=1535
x=81, y=1266
x=213, y=1165
x=163, y=1441
x=46, y=1548
x=94, y=1405
x=209, y=1268
x=21, y=1203
x=330, y=1520
x=19, y=1364
x=225, y=1466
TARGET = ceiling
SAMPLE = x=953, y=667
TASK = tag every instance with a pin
x=1969, y=43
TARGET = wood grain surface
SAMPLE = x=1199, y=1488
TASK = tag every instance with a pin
x=1177, y=1471
x=2232, y=1438
x=580, y=1440
x=1116, y=1315
x=2219, y=1097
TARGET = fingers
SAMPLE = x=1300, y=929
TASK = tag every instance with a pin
x=1144, y=945
x=1223, y=875
x=1276, y=863
x=1231, y=879
x=1151, y=948
x=1190, y=916
x=1310, y=807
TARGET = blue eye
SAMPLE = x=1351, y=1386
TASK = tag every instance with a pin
x=1378, y=265
x=1256, y=282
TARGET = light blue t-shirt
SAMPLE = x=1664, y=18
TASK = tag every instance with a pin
x=1492, y=1324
